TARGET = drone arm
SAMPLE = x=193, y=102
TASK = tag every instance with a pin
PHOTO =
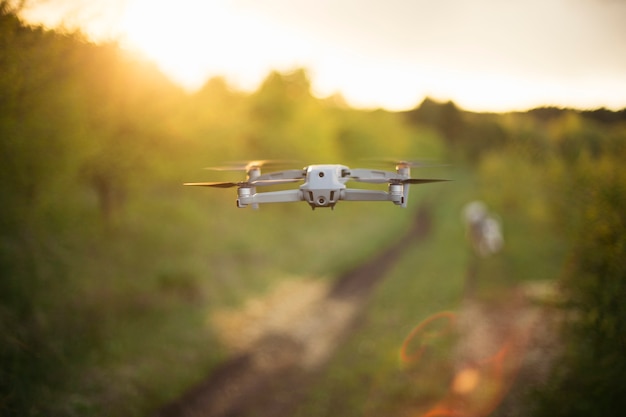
x=286, y=196
x=351, y=194
x=373, y=175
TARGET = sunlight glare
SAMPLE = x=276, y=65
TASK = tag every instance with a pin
x=193, y=39
x=392, y=66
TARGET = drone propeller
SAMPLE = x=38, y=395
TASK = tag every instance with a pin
x=257, y=183
x=404, y=163
x=397, y=180
x=248, y=165
x=215, y=184
x=418, y=180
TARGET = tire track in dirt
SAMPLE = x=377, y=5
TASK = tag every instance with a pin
x=273, y=375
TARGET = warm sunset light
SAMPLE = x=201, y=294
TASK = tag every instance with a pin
x=195, y=40
x=170, y=243
x=486, y=55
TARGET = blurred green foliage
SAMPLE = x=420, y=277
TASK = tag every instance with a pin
x=109, y=267
x=593, y=190
x=555, y=178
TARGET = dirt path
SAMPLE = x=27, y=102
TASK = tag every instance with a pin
x=289, y=341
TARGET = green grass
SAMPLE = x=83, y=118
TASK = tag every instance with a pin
x=127, y=318
x=366, y=376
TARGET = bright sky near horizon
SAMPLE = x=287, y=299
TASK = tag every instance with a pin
x=485, y=55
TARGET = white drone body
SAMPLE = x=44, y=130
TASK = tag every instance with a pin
x=323, y=185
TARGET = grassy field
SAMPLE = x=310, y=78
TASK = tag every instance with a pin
x=136, y=299
x=145, y=293
x=367, y=377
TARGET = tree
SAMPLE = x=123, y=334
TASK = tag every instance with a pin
x=124, y=113
x=446, y=117
x=286, y=121
x=39, y=116
x=592, y=367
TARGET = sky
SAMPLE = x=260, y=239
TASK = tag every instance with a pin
x=485, y=55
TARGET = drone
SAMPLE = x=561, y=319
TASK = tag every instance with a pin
x=323, y=185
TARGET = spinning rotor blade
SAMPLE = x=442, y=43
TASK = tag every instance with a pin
x=420, y=180
x=258, y=183
x=397, y=180
x=402, y=163
x=213, y=184
x=248, y=165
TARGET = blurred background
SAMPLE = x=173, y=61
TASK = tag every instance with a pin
x=121, y=289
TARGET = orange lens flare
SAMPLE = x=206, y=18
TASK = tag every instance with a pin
x=476, y=388
x=429, y=330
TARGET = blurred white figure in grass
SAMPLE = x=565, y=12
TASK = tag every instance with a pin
x=483, y=229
